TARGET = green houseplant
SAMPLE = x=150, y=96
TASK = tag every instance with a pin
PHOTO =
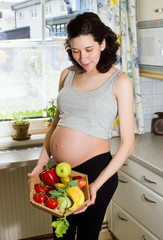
x=50, y=112
x=20, y=126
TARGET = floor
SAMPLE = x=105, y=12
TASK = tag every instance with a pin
x=103, y=236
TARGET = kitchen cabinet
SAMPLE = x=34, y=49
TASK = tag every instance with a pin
x=137, y=205
x=124, y=223
x=148, y=10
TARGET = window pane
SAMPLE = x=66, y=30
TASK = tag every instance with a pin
x=20, y=81
x=57, y=60
x=82, y=4
x=29, y=77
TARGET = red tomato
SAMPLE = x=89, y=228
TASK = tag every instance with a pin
x=82, y=182
x=51, y=203
x=39, y=197
x=39, y=188
x=47, y=193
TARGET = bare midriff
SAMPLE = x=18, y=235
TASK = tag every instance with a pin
x=74, y=147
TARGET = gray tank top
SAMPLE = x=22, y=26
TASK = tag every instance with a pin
x=90, y=112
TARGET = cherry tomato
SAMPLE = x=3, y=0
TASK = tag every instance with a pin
x=51, y=203
x=82, y=182
x=39, y=197
x=47, y=193
x=39, y=188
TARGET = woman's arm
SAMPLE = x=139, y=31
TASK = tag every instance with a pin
x=45, y=152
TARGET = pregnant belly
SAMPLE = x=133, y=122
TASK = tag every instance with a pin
x=75, y=147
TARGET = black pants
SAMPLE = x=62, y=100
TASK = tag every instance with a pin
x=88, y=224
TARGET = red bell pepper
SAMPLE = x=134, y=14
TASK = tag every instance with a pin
x=49, y=177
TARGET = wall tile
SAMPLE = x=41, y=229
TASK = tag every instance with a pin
x=147, y=100
x=145, y=79
x=157, y=100
x=157, y=87
x=147, y=88
x=147, y=125
x=148, y=113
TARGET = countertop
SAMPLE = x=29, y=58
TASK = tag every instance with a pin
x=148, y=152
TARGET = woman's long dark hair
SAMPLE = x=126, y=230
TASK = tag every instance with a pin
x=89, y=23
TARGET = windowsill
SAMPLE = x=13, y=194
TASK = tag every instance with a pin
x=9, y=143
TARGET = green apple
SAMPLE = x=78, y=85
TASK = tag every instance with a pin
x=63, y=169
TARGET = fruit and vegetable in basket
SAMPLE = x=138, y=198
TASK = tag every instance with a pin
x=60, y=192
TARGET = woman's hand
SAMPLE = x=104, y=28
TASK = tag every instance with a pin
x=35, y=171
x=93, y=193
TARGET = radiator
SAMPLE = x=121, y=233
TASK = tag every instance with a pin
x=18, y=218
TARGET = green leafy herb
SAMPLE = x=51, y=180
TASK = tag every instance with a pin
x=73, y=183
x=61, y=225
x=59, y=192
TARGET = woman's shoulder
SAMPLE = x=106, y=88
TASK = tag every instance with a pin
x=121, y=76
x=63, y=76
x=65, y=72
x=123, y=83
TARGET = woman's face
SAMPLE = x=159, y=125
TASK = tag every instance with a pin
x=86, y=51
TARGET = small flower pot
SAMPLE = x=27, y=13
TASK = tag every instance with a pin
x=21, y=131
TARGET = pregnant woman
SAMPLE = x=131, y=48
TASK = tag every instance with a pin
x=91, y=94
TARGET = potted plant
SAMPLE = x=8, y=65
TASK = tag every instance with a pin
x=50, y=112
x=20, y=126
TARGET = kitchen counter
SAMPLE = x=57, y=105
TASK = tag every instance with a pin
x=148, y=152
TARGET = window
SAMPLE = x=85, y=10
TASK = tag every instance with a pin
x=34, y=13
x=63, y=6
x=31, y=62
x=21, y=16
x=59, y=30
x=48, y=10
x=84, y=5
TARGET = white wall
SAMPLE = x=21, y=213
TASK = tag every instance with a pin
x=152, y=93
